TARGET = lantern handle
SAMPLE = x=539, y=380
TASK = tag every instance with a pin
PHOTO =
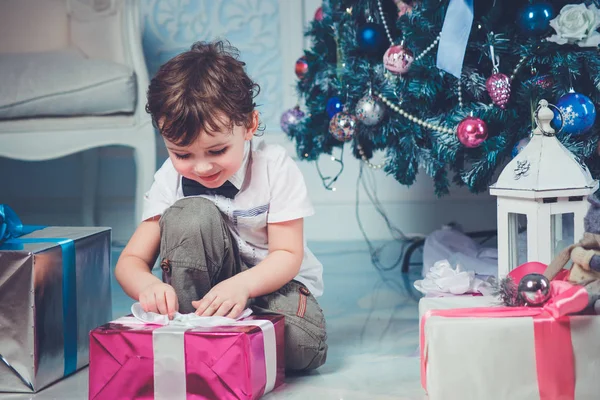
x=544, y=104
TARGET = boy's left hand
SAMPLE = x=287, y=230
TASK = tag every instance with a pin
x=227, y=299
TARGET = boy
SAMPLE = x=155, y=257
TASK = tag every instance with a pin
x=225, y=213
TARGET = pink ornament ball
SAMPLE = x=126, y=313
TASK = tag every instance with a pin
x=472, y=132
x=398, y=59
x=319, y=14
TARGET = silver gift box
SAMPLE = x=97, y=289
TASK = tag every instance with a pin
x=54, y=289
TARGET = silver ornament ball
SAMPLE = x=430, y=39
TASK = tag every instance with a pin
x=370, y=110
x=534, y=289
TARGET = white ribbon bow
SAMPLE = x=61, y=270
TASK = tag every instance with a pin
x=169, y=346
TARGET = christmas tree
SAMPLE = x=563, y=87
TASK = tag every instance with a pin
x=390, y=75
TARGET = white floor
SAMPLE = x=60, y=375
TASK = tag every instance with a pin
x=372, y=329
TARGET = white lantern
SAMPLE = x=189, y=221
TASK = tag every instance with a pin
x=546, y=185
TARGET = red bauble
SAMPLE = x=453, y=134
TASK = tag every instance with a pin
x=472, y=132
x=498, y=86
x=301, y=67
x=319, y=14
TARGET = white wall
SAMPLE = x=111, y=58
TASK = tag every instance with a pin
x=49, y=192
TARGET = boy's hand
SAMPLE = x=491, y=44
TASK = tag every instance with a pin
x=228, y=299
x=159, y=298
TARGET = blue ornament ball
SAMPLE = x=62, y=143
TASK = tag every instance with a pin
x=334, y=106
x=371, y=38
x=519, y=147
x=534, y=19
x=578, y=111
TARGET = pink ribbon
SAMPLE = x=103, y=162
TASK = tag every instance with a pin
x=555, y=362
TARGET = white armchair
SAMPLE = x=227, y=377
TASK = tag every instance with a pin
x=73, y=78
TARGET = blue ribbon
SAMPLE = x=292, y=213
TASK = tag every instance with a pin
x=11, y=228
x=454, y=36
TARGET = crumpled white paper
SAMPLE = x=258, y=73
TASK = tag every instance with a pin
x=450, y=243
x=443, y=280
x=190, y=319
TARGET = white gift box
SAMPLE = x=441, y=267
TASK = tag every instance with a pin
x=495, y=358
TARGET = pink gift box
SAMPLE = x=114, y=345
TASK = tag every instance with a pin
x=226, y=362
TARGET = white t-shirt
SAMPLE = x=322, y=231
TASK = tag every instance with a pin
x=271, y=189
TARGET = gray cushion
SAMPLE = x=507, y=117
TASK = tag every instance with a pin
x=63, y=83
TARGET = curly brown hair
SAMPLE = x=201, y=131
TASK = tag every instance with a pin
x=201, y=90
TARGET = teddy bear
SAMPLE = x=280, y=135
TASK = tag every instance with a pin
x=585, y=256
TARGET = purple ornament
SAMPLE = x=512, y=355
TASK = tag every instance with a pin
x=290, y=117
x=343, y=126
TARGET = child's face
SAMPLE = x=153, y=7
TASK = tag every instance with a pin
x=212, y=159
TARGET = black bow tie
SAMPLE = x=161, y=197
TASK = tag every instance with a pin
x=193, y=188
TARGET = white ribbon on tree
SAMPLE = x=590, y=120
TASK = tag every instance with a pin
x=455, y=36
